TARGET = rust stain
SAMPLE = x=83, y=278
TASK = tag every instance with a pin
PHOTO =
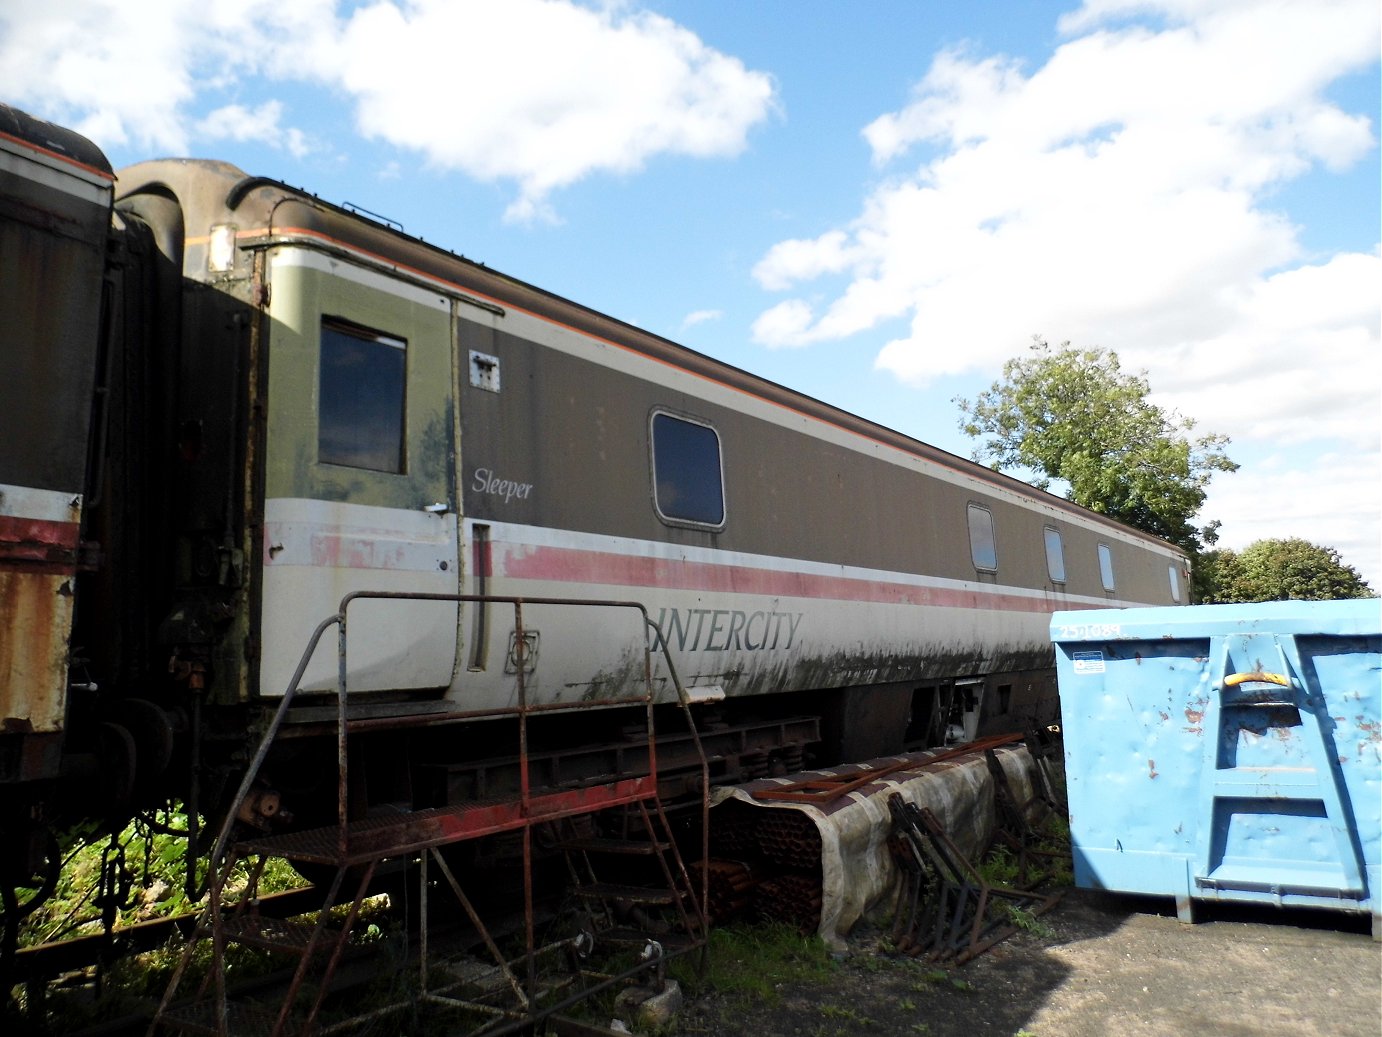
x=1194, y=716
x=1151, y=768
x=35, y=624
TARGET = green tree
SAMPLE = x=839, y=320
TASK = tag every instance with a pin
x=1074, y=416
x=1279, y=570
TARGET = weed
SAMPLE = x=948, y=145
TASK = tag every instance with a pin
x=999, y=867
x=758, y=961
x=845, y=1013
x=871, y=963
x=1028, y=922
x=931, y=976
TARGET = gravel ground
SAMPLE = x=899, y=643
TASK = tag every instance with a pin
x=1100, y=965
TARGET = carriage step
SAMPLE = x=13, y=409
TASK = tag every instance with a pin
x=273, y=934
x=634, y=894
x=243, y=1019
x=672, y=943
x=373, y=839
x=638, y=847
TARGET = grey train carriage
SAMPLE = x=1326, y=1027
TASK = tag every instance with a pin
x=295, y=402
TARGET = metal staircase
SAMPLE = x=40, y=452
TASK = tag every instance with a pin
x=654, y=907
x=635, y=875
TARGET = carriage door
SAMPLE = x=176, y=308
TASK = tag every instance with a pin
x=360, y=476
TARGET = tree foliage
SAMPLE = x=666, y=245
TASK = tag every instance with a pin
x=1278, y=570
x=1074, y=416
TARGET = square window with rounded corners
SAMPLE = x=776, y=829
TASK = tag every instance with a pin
x=983, y=546
x=1055, y=554
x=1106, y=567
x=360, y=404
x=688, y=477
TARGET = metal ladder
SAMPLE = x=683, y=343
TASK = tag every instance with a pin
x=353, y=849
x=1275, y=814
x=649, y=875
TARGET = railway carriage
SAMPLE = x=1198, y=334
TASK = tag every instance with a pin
x=285, y=401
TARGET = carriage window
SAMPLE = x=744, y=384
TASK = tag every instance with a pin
x=1055, y=555
x=1175, y=581
x=1106, y=567
x=688, y=482
x=360, y=401
x=983, y=548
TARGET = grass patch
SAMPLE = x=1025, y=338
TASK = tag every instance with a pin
x=143, y=867
x=757, y=961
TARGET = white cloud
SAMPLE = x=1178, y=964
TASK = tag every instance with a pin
x=541, y=92
x=538, y=92
x=1276, y=498
x=1124, y=194
x=236, y=122
x=1103, y=200
x=700, y=317
x=124, y=80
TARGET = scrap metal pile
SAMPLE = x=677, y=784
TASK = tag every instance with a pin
x=948, y=911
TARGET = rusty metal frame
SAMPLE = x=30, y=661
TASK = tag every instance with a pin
x=442, y=827
x=958, y=922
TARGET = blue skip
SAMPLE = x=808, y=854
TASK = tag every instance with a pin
x=1226, y=752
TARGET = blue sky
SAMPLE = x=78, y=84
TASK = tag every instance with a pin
x=873, y=203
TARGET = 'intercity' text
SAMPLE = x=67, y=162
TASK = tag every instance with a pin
x=719, y=630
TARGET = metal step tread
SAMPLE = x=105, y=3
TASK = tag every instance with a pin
x=673, y=943
x=392, y=835
x=634, y=894
x=243, y=1018
x=1287, y=876
x=640, y=847
x=273, y=934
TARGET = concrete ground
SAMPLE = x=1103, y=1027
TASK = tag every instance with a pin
x=1099, y=965
x=1120, y=966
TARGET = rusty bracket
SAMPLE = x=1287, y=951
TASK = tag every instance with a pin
x=828, y=788
x=948, y=913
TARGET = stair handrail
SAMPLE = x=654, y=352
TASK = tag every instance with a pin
x=684, y=699
x=266, y=741
x=658, y=643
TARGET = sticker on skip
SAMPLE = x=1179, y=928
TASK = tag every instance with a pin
x=1088, y=662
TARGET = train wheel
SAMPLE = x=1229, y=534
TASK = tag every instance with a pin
x=118, y=758
x=152, y=730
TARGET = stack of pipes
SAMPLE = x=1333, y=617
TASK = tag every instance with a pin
x=730, y=886
x=793, y=899
x=789, y=839
x=780, y=874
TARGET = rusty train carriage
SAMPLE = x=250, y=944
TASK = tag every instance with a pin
x=303, y=402
x=56, y=190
